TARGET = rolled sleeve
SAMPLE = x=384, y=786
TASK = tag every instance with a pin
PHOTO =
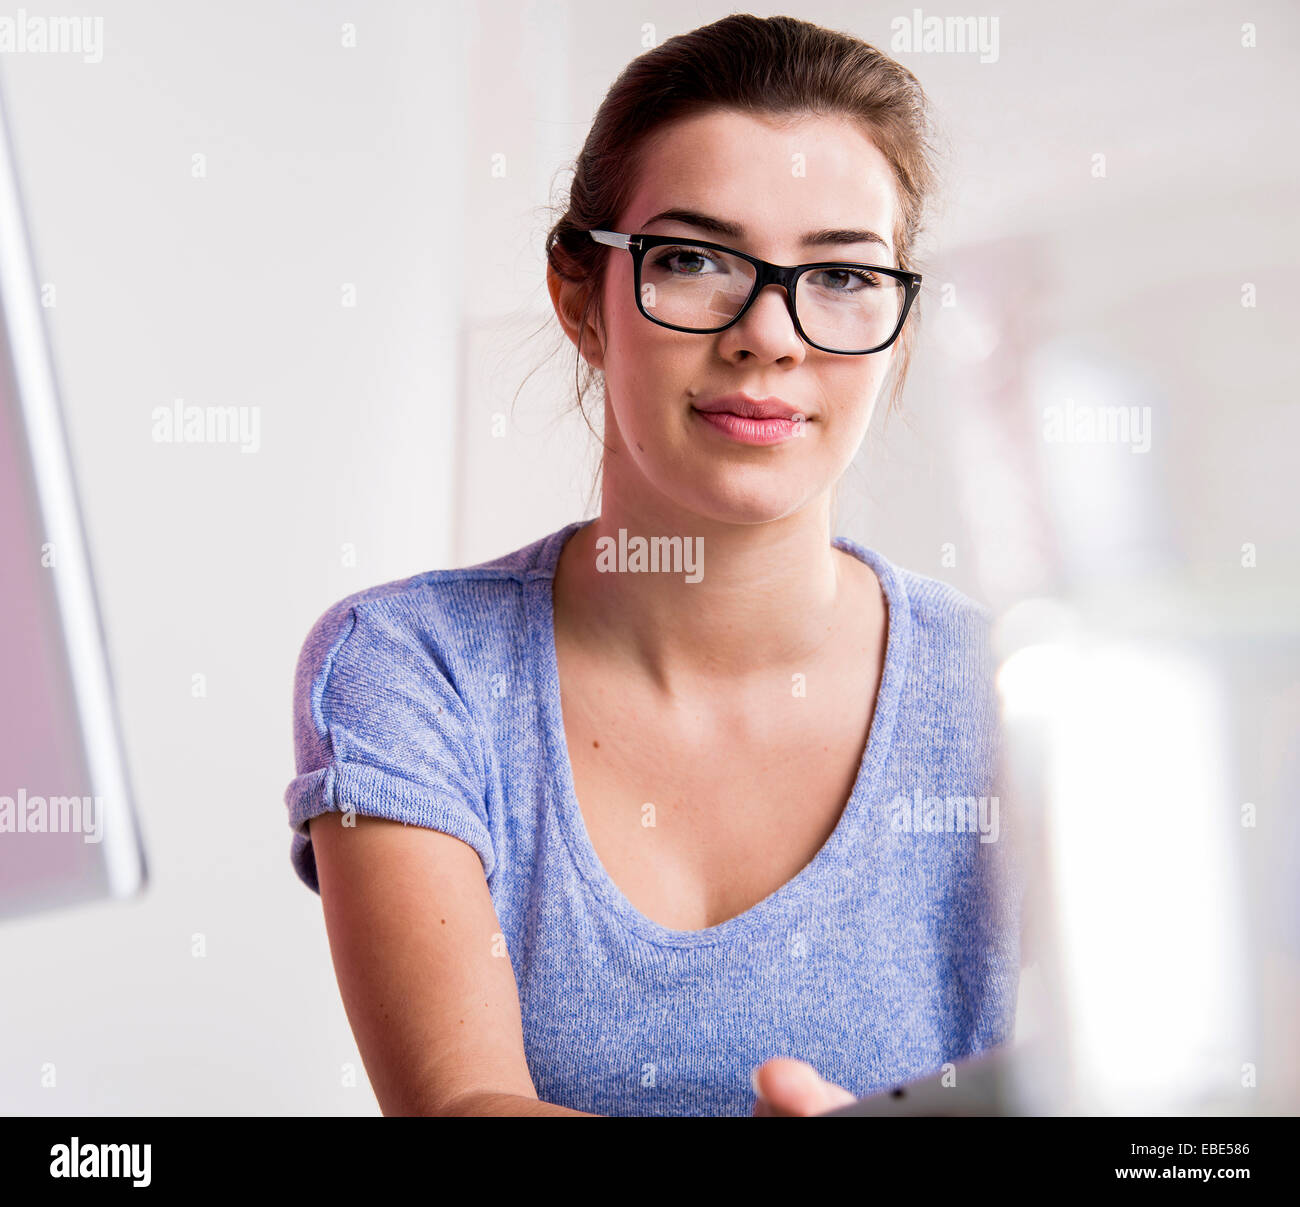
x=380, y=730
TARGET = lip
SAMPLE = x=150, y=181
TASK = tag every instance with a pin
x=749, y=420
x=749, y=408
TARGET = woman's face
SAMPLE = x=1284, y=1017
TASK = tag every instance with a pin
x=776, y=183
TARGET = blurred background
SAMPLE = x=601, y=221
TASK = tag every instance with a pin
x=334, y=217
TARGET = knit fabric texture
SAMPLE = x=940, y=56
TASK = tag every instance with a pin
x=435, y=701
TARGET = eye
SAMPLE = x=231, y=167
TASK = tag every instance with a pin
x=845, y=280
x=693, y=260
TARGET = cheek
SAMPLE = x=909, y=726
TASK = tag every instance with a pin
x=648, y=371
x=851, y=395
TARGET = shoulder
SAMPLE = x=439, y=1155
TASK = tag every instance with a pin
x=423, y=611
x=950, y=711
x=943, y=634
x=411, y=633
x=934, y=608
x=952, y=663
x=941, y=609
x=951, y=631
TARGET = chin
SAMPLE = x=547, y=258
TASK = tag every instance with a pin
x=737, y=501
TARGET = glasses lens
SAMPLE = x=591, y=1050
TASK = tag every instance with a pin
x=694, y=287
x=846, y=309
x=849, y=309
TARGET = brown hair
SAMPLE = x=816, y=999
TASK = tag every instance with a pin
x=771, y=66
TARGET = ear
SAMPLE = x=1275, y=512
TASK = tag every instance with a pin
x=566, y=297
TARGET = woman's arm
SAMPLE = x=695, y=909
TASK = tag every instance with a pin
x=422, y=970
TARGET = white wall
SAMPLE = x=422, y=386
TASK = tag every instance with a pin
x=325, y=165
x=387, y=165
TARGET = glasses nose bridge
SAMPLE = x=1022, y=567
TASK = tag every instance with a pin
x=774, y=274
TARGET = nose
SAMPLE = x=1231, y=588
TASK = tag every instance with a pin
x=766, y=329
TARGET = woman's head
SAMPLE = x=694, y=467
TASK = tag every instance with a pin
x=776, y=129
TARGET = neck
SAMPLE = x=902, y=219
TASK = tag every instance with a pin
x=768, y=595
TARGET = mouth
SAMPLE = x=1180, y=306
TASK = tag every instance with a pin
x=750, y=408
x=749, y=420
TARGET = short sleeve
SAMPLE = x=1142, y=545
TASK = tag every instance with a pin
x=380, y=729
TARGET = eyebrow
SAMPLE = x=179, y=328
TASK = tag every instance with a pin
x=829, y=237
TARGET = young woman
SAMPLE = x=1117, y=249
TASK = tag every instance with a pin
x=596, y=834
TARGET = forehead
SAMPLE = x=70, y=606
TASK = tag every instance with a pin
x=776, y=177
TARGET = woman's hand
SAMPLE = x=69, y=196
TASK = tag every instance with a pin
x=788, y=1087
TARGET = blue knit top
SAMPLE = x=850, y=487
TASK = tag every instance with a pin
x=435, y=701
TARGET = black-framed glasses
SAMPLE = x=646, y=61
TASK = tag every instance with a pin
x=836, y=305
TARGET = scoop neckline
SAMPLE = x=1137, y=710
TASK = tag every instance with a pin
x=540, y=608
